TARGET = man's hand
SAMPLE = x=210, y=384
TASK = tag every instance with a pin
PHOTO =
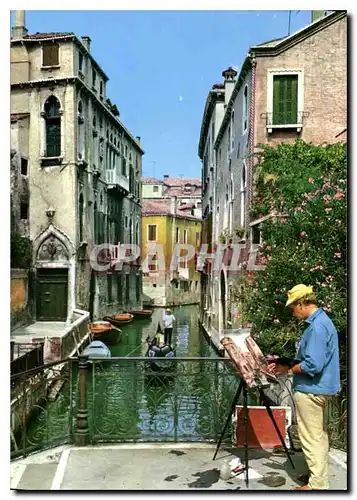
x=277, y=369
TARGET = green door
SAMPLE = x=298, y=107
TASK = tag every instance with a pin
x=52, y=292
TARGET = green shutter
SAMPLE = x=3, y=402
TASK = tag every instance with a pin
x=285, y=94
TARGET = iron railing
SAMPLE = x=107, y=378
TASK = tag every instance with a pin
x=188, y=400
x=284, y=119
x=25, y=356
x=42, y=407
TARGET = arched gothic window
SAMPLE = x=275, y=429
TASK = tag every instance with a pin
x=53, y=127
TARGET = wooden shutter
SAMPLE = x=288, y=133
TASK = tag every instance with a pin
x=50, y=55
x=285, y=95
x=152, y=233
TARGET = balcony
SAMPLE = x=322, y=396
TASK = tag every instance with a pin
x=282, y=121
x=115, y=180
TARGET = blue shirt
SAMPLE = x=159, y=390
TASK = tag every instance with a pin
x=319, y=355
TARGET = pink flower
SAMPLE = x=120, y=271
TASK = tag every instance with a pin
x=269, y=247
x=339, y=222
x=311, y=180
x=326, y=308
x=339, y=195
x=328, y=210
x=276, y=320
x=338, y=255
x=282, y=220
x=303, y=233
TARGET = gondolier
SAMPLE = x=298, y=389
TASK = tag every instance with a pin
x=169, y=320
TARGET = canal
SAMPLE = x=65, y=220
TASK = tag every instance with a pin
x=127, y=404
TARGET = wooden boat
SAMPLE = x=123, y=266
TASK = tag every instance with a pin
x=96, y=349
x=105, y=332
x=141, y=313
x=119, y=319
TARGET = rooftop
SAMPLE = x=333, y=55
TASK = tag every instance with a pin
x=163, y=207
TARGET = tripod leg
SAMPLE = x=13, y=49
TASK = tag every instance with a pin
x=245, y=420
x=236, y=397
x=270, y=413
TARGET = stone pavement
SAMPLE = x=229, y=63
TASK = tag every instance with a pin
x=158, y=467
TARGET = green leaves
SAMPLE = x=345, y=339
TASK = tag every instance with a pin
x=305, y=243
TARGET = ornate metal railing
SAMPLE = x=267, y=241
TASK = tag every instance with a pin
x=25, y=356
x=336, y=420
x=127, y=401
x=41, y=407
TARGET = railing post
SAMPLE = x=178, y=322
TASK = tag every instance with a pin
x=12, y=350
x=82, y=430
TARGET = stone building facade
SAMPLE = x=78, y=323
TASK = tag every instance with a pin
x=289, y=88
x=84, y=174
x=187, y=191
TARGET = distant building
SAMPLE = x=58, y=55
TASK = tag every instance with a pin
x=187, y=191
x=83, y=171
x=288, y=88
x=165, y=224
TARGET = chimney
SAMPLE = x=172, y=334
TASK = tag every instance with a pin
x=19, y=30
x=173, y=205
x=166, y=176
x=138, y=138
x=229, y=76
x=86, y=42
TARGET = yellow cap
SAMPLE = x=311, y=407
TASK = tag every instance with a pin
x=298, y=292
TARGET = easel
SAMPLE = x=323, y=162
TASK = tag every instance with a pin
x=243, y=386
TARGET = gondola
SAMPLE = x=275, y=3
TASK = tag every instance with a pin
x=141, y=313
x=119, y=319
x=156, y=353
x=105, y=332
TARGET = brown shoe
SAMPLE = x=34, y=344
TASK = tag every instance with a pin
x=305, y=487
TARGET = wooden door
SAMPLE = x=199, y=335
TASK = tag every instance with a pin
x=52, y=294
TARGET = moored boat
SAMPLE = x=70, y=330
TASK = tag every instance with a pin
x=141, y=313
x=97, y=349
x=105, y=332
x=119, y=319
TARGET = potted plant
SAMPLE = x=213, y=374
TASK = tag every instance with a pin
x=239, y=231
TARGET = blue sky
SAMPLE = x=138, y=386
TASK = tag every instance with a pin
x=161, y=65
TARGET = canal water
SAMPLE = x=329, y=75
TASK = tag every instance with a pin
x=126, y=402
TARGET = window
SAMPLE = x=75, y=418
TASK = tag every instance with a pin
x=185, y=236
x=101, y=88
x=243, y=188
x=256, y=234
x=232, y=132
x=177, y=235
x=81, y=213
x=94, y=122
x=152, y=233
x=197, y=239
x=80, y=61
x=53, y=127
x=24, y=210
x=109, y=283
x=126, y=221
x=123, y=166
x=94, y=77
x=50, y=55
x=285, y=99
x=155, y=189
x=245, y=109
x=24, y=164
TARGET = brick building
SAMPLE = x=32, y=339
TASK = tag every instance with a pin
x=288, y=88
